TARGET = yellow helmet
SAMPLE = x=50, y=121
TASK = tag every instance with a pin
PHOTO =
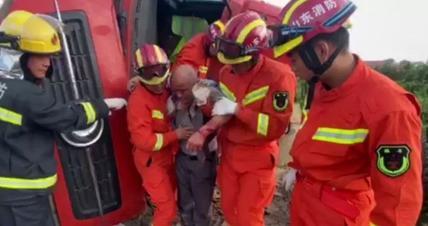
x=39, y=36
x=14, y=22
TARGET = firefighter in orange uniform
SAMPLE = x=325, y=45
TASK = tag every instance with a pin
x=201, y=54
x=358, y=156
x=258, y=95
x=152, y=134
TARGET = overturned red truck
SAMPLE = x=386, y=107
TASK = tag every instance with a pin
x=98, y=183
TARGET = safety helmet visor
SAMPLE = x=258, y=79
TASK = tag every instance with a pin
x=229, y=49
x=154, y=74
x=152, y=71
x=281, y=34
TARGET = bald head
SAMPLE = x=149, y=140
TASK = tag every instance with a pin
x=184, y=75
x=182, y=80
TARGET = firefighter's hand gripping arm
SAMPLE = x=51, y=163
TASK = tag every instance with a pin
x=132, y=83
x=115, y=103
x=289, y=179
x=224, y=106
x=395, y=153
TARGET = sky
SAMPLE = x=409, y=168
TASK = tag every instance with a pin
x=384, y=29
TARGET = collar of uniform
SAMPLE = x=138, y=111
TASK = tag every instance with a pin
x=255, y=70
x=346, y=87
x=146, y=92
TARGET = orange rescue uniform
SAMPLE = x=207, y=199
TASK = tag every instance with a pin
x=155, y=143
x=249, y=141
x=195, y=53
x=358, y=155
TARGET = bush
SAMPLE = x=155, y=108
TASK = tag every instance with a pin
x=413, y=77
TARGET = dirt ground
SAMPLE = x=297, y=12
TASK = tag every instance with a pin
x=276, y=214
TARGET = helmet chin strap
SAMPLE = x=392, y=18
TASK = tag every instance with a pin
x=311, y=61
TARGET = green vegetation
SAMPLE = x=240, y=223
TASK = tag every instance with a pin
x=413, y=77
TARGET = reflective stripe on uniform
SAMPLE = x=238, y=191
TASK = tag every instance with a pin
x=372, y=224
x=203, y=69
x=90, y=112
x=159, y=142
x=157, y=114
x=262, y=124
x=341, y=136
x=255, y=95
x=10, y=116
x=19, y=183
x=226, y=91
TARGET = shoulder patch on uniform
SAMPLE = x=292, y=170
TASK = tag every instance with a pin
x=393, y=160
x=280, y=100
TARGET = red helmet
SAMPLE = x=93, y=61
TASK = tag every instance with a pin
x=215, y=29
x=152, y=64
x=302, y=20
x=245, y=34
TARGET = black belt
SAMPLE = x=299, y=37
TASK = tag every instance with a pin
x=191, y=157
x=208, y=156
